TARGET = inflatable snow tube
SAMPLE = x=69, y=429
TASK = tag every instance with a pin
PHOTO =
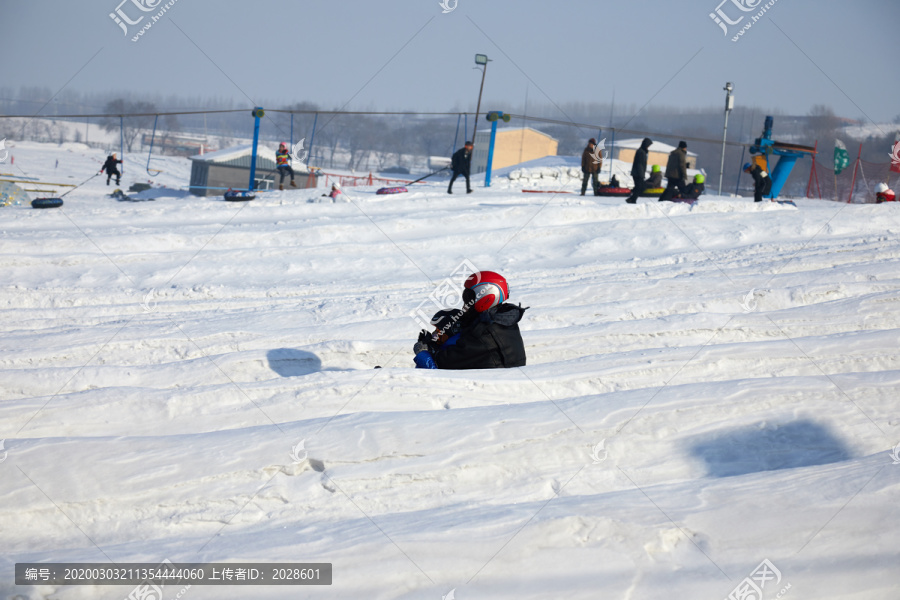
x=239, y=196
x=613, y=191
x=391, y=190
x=46, y=203
x=653, y=192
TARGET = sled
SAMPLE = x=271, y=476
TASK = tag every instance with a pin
x=391, y=190
x=239, y=195
x=613, y=191
x=546, y=192
x=46, y=203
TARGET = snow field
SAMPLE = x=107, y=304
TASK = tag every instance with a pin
x=706, y=387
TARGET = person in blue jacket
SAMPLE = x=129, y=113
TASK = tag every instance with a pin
x=447, y=325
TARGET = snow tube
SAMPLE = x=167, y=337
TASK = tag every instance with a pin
x=613, y=191
x=392, y=190
x=46, y=203
x=653, y=192
x=239, y=196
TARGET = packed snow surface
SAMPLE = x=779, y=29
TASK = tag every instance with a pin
x=707, y=387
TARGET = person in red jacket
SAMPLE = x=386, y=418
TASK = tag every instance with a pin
x=884, y=194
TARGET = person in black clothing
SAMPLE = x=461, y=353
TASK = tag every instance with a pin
x=676, y=172
x=460, y=165
x=638, y=170
x=110, y=166
x=762, y=183
x=695, y=189
x=489, y=336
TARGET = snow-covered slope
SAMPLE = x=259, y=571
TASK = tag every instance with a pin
x=706, y=388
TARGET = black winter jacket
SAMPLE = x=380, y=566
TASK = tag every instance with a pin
x=639, y=166
x=761, y=183
x=460, y=161
x=676, y=168
x=110, y=165
x=490, y=341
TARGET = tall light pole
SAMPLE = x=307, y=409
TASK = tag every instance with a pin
x=483, y=60
x=729, y=104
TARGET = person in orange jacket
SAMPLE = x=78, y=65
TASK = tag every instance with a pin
x=283, y=164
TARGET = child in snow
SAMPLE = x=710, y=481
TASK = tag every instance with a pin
x=489, y=336
x=283, y=164
x=693, y=190
x=446, y=333
x=111, y=169
x=883, y=193
x=762, y=183
x=655, y=180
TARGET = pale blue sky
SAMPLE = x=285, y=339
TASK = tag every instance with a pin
x=325, y=52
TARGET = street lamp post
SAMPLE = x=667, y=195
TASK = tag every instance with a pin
x=729, y=104
x=483, y=60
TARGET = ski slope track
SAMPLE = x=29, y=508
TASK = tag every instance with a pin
x=707, y=387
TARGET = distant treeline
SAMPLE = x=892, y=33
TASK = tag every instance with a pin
x=377, y=142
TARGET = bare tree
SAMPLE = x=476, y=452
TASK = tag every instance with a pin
x=132, y=126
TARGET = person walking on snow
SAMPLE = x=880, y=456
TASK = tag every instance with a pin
x=676, y=172
x=283, y=164
x=638, y=170
x=762, y=183
x=110, y=166
x=460, y=162
x=590, y=166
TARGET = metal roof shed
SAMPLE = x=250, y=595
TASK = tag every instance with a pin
x=213, y=173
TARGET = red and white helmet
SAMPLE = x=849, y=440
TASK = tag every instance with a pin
x=485, y=290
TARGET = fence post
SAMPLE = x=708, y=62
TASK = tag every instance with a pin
x=812, y=169
x=855, y=168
